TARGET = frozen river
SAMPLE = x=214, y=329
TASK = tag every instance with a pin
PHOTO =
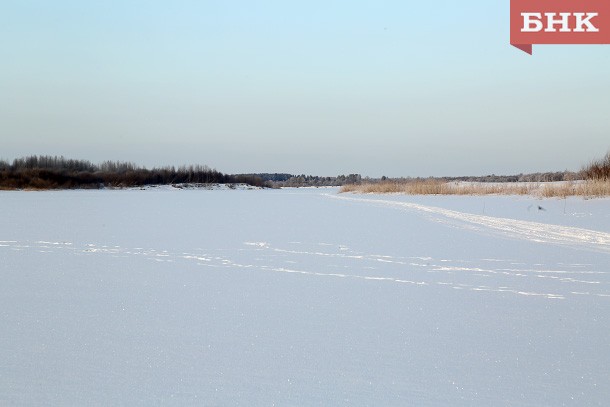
x=302, y=298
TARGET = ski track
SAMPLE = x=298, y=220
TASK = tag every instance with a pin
x=520, y=229
x=325, y=260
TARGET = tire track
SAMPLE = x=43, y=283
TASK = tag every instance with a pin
x=519, y=229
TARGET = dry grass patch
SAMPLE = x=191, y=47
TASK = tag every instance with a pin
x=438, y=187
x=588, y=189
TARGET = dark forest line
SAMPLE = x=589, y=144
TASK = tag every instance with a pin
x=57, y=172
x=52, y=172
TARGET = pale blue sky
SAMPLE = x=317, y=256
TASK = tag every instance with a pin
x=323, y=87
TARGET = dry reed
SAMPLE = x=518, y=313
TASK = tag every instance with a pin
x=587, y=189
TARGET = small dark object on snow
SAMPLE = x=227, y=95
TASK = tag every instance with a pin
x=540, y=208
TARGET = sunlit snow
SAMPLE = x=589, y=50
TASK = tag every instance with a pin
x=302, y=297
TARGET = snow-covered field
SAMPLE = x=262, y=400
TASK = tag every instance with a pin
x=302, y=298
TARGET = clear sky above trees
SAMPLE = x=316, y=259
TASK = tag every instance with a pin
x=324, y=87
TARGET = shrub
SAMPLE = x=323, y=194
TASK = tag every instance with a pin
x=598, y=169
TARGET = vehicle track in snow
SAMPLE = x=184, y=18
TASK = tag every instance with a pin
x=514, y=228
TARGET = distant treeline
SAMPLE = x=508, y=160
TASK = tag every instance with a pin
x=288, y=180
x=51, y=172
x=535, y=177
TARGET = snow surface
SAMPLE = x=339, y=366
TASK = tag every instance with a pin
x=214, y=187
x=302, y=297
